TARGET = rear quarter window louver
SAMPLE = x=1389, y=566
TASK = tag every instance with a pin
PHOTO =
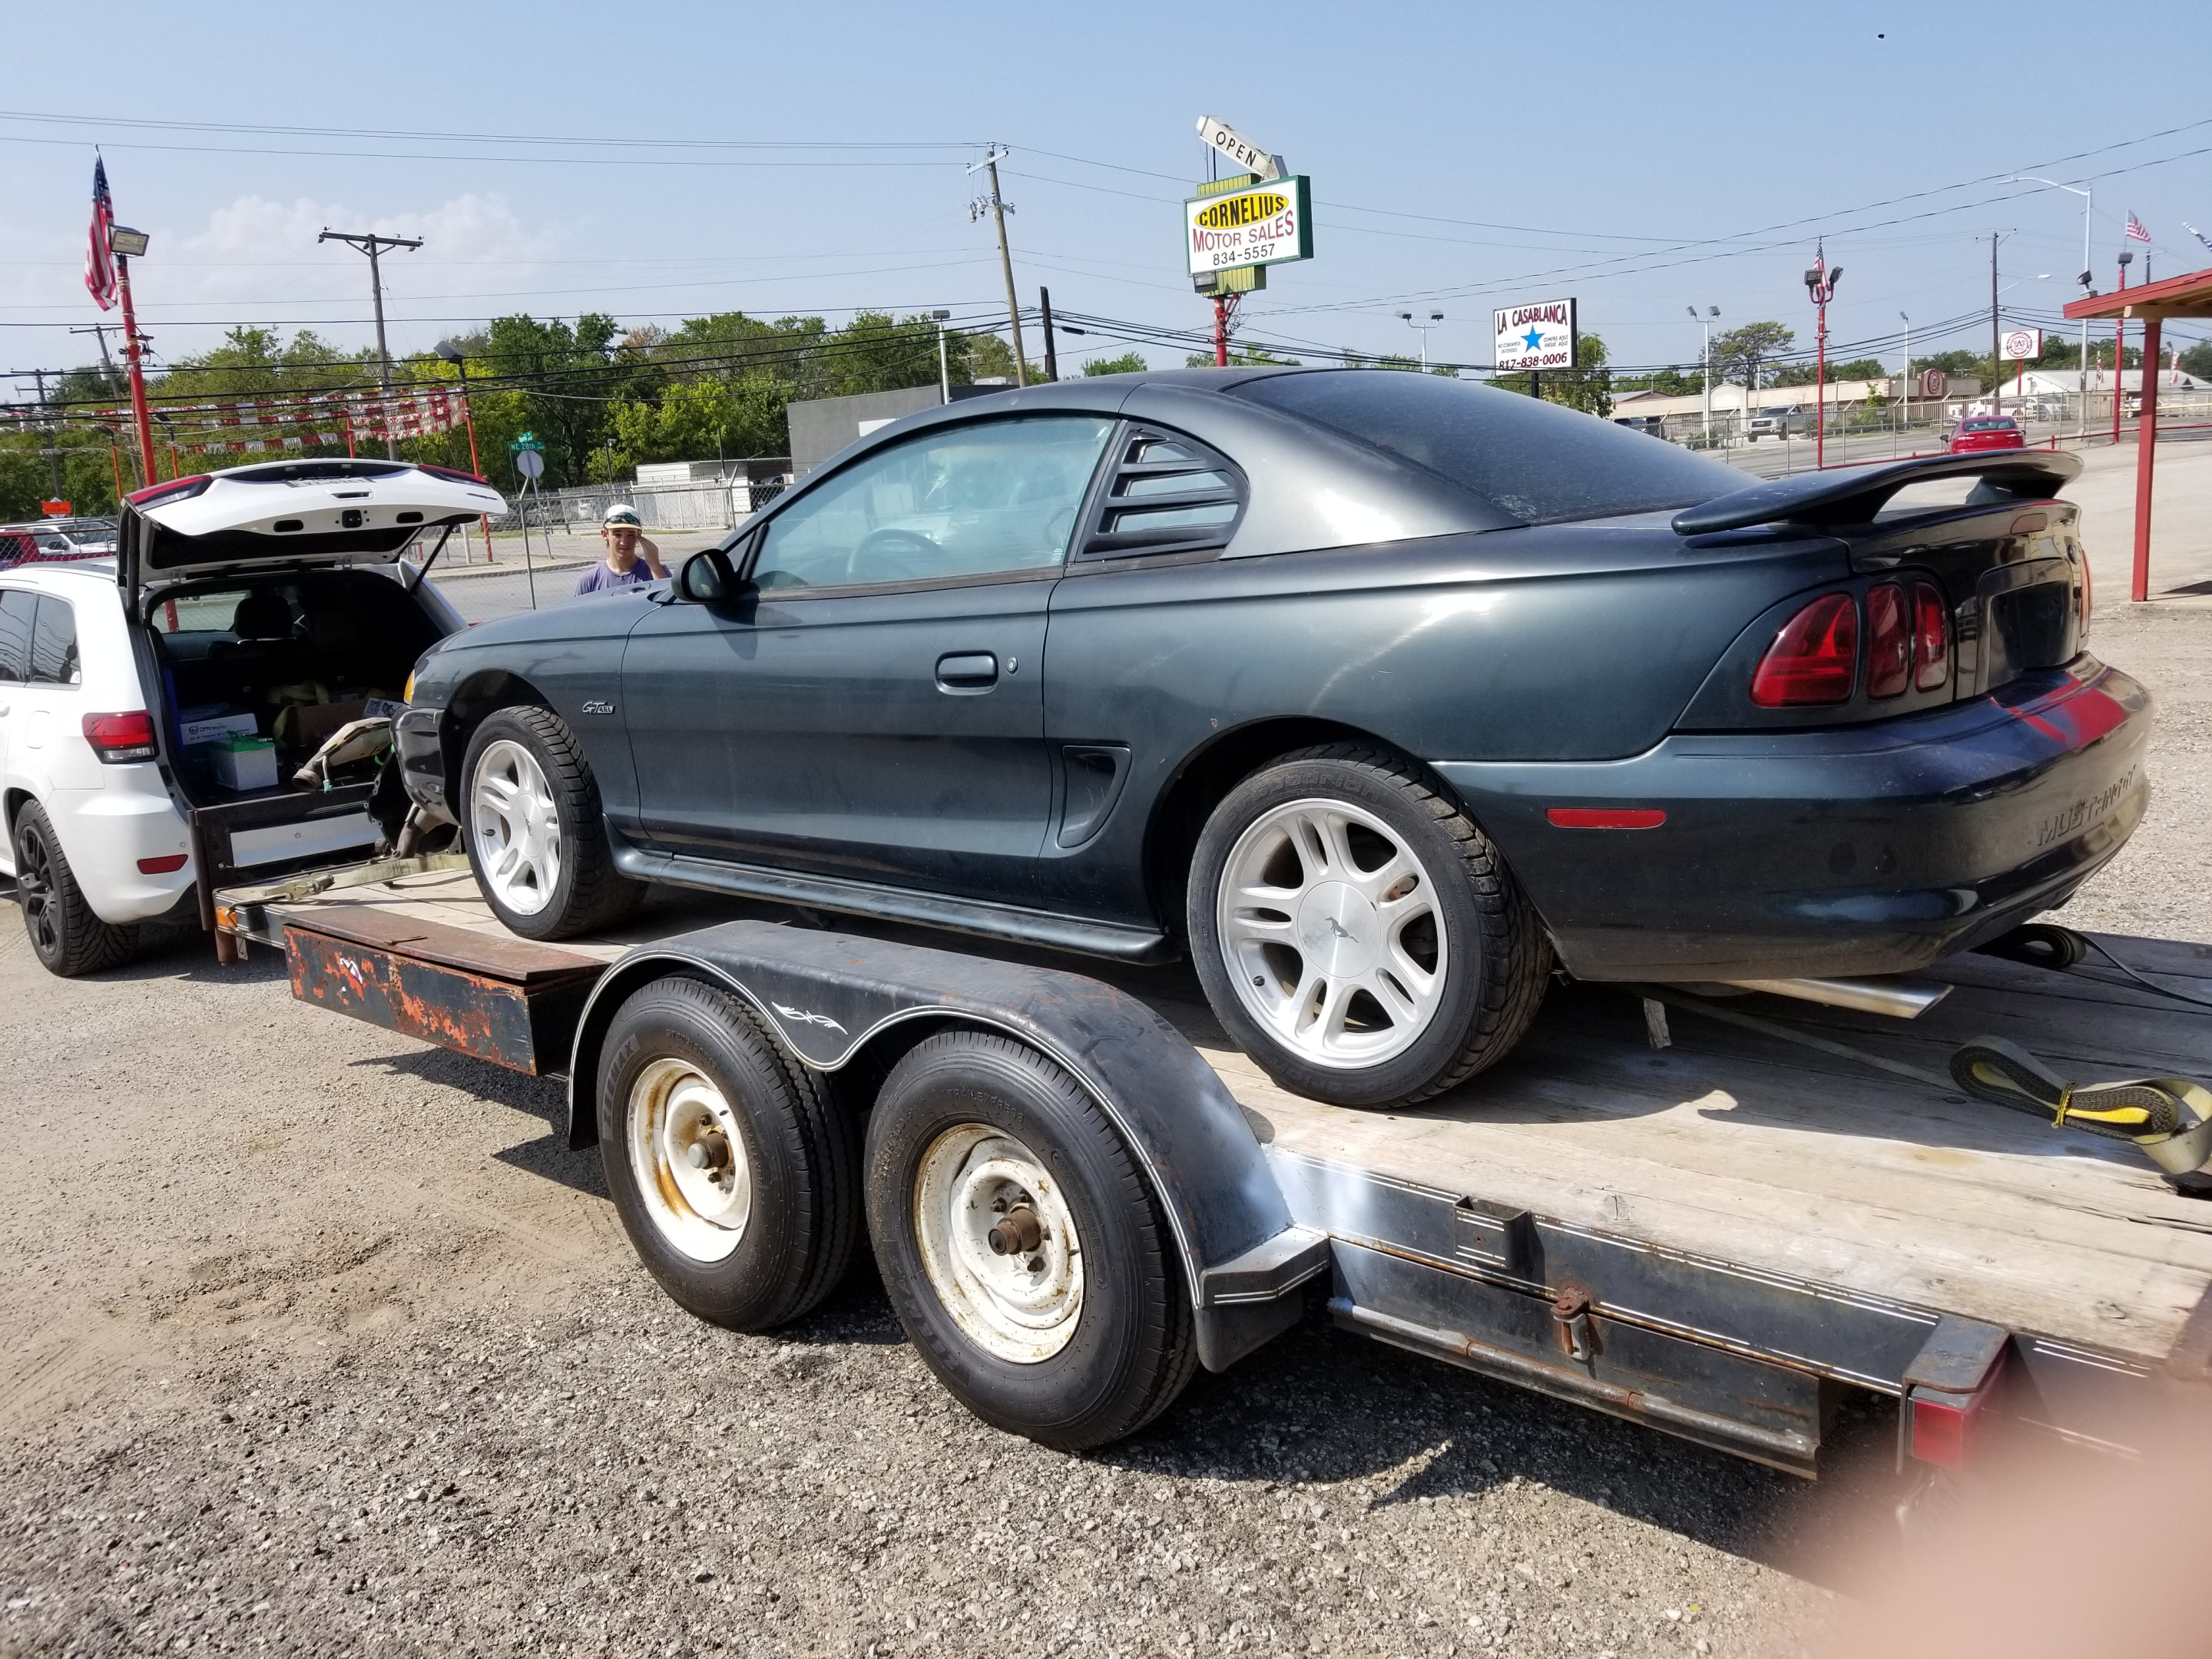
x=1168, y=494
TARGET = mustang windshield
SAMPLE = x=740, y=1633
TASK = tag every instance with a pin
x=1540, y=462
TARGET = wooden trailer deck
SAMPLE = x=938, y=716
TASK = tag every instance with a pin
x=1733, y=1144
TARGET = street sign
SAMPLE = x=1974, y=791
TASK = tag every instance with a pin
x=528, y=440
x=2021, y=346
x=529, y=463
x=1268, y=224
x=1934, y=383
x=1247, y=156
x=1539, y=336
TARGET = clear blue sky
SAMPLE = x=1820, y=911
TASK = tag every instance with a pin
x=1462, y=157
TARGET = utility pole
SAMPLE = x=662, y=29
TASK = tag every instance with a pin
x=1821, y=283
x=53, y=455
x=1051, y=357
x=106, y=362
x=374, y=245
x=944, y=363
x=2120, y=346
x=1996, y=368
x=999, y=209
x=1907, y=376
x=1706, y=323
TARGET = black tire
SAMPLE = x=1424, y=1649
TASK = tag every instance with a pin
x=67, y=935
x=587, y=893
x=1496, y=957
x=801, y=1154
x=1133, y=1345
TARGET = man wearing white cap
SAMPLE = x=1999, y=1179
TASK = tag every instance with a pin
x=632, y=561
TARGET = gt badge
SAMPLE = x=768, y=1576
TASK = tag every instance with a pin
x=593, y=705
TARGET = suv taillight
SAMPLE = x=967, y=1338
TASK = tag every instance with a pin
x=118, y=739
x=1889, y=642
x=453, y=472
x=176, y=489
x=1814, y=659
x=1931, y=638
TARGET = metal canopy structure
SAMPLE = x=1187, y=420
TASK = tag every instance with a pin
x=2150, y=305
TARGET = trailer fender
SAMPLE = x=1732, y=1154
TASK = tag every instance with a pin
x=833, y=997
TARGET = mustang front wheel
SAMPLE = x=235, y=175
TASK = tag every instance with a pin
x=536, y=833
x=1356, y=934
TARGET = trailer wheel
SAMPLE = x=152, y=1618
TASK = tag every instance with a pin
x=732, y=1168
x=1021, y=1245
x=535, y=829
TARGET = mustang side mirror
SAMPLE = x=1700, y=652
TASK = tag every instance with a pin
x=707, y=578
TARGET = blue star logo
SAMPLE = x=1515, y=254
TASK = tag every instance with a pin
x=1534, y=339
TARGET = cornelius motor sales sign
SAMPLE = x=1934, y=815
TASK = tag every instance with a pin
x=1539, y=336
x=1268, y=224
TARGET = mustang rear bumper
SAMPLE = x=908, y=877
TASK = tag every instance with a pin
x=1869, y=849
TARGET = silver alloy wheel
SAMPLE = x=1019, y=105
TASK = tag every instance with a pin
x=687, y=1157
x=1330, y=930
x=516, y=827
x=999, y=1244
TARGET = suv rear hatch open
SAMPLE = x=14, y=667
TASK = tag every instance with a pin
x=264, y=625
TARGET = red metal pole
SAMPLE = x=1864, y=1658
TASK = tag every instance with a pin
x=477, y=467
x=115, y=454
x=1821, y=391
x=137, y=370
x=1221, y=331
x=2119, y=356
x=2146, y=453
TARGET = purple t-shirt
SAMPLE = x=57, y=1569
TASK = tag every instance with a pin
x=603, y=576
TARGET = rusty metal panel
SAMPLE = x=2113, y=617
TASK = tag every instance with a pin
x=1772, y=1414
x=491, y=1018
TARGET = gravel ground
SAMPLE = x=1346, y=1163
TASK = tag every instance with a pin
x=322, y=1342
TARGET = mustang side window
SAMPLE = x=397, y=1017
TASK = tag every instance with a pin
x=997, y=497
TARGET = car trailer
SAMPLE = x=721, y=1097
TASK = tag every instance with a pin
x=1721, y=1237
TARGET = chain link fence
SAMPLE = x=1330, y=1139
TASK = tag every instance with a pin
x=703, y=504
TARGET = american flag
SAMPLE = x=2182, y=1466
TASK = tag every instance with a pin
x=98, y=256
x=2135, y=231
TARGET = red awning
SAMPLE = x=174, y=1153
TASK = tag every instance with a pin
x=2177, y=296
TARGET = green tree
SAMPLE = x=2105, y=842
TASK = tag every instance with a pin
x=1129, y=362
x=2197, y=360
x=1588, y=386
x=1668, y=382
x=1251, y=357
x=1741, y=355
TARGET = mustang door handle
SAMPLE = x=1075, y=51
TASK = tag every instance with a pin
x=967, y=672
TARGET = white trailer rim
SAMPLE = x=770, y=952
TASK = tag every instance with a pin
x=516, y=826
x=687, y=1157
x=1023, y=1305
x=1331, y=932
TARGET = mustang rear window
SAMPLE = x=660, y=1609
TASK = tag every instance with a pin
x=1540, y=462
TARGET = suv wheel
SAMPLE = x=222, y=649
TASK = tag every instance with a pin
x=1356, y=934
x=66, y=934
x=535, y=832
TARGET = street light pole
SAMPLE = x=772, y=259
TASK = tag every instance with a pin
x=374, y=246
x=944, y=362
x=2120, y=346
x=1706, y=323
x=1907, y=321
x=1821, y=283
x=1435, y=317
x=2081, y=427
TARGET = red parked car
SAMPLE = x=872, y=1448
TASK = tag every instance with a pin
x=1988, y=432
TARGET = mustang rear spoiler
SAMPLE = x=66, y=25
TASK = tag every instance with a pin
x=1854, y=495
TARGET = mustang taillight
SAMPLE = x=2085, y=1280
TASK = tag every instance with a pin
x=1931, y=638
x=1814, y=659
x=1889, y=642
x=118, y=739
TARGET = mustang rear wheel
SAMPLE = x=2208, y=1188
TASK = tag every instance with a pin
x=1356, y=934
x=536, y=833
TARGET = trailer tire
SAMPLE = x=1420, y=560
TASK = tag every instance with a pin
x=536, y=830
x=758, y=1227
x=1074, y=1328
x=67, y=935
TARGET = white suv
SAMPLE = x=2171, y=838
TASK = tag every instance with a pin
x=153, y=708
